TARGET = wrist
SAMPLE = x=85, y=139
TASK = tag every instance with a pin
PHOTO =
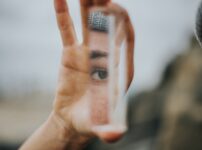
x=66, y=134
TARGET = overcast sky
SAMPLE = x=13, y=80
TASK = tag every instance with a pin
x=30, y=46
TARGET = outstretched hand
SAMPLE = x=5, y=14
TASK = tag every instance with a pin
x=82, y=79
x=72, y=96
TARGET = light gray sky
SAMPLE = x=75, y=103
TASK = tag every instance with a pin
x=30, y=46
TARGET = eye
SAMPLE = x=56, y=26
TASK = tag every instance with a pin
x=99, y=74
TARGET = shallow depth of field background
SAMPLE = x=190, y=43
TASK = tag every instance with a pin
x=30, y=50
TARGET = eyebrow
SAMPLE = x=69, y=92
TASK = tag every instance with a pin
x=96, y=54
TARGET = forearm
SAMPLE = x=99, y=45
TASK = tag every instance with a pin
x=52, y=135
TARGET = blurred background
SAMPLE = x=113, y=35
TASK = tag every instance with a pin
x=165, y=97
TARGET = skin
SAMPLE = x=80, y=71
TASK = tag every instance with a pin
x=81, y=79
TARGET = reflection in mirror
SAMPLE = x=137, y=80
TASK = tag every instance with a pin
x=107, y=71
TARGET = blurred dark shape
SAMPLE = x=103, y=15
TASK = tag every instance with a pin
x=8, y=147
x=170, y=116
x=199, y=23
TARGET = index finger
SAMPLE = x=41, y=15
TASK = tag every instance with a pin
x=65, y=23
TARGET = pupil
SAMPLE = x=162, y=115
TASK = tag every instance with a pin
x=102, y=74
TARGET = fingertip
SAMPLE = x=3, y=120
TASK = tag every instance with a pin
x=60, y=5
x=86, y=3
x=101, y=2
x=112, y=138
x=109, y=134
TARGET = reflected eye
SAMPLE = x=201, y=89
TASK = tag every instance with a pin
x=99, y=74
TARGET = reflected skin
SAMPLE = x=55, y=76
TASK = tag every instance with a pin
x=69, y=124
x=99, y=87
x=99, y=48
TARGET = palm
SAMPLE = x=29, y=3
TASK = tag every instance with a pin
x=72, y=85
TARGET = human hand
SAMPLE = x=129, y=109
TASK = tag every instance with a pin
x=71, y=105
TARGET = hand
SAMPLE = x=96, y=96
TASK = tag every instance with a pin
x=71, y=104
x=81, y=79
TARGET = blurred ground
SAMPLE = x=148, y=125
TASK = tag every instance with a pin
x=19, y=118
